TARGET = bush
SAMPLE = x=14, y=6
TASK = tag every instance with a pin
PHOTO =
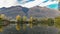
x=50, y=22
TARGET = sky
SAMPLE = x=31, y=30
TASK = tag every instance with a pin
x=29, y=3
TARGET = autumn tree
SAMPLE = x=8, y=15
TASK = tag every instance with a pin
x=57, y=21
x=18, y=18
x=24, y=22
x=2, y=17
x=31, y=21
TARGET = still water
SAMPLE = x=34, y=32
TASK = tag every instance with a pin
x=11, y=29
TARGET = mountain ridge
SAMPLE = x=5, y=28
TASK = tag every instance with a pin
x=36, y=11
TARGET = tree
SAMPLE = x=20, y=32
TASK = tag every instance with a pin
x=31, y=20
x=43, y=21
x=24, y=20
x=57, y=21
x=18, y=18
x=2, y=16
x=50, y=22
x=35, y=21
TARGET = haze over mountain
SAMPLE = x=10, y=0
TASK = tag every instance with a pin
x=36, y=11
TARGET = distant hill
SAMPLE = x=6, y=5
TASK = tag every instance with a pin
x=14, y=11
x=34, y=11
x=38, y=11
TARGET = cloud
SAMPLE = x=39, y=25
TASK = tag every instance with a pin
x=24, y=1
x=31, y=4
x=48, y=3
x=9, y=3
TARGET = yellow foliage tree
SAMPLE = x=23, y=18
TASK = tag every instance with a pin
x=18, y=19
x=24, y=20
x=2, y=16
x=31, y=20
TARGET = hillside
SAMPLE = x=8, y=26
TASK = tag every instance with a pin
x=34, y=11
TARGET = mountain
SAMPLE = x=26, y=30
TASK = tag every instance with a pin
x=14, y=11
x=38, y=11
x=34, y=11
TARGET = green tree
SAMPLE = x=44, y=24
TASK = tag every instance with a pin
x=35, y=21
x=50, y=22
x=43, y=21
x=57, y=21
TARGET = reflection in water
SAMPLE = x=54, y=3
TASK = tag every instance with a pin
x=17, y=27
x=31, y=20
x=30, y=25
x=24, y=26
x=1, y=29
x=11, y=29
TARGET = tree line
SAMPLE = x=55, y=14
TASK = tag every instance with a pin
x=23, y=21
